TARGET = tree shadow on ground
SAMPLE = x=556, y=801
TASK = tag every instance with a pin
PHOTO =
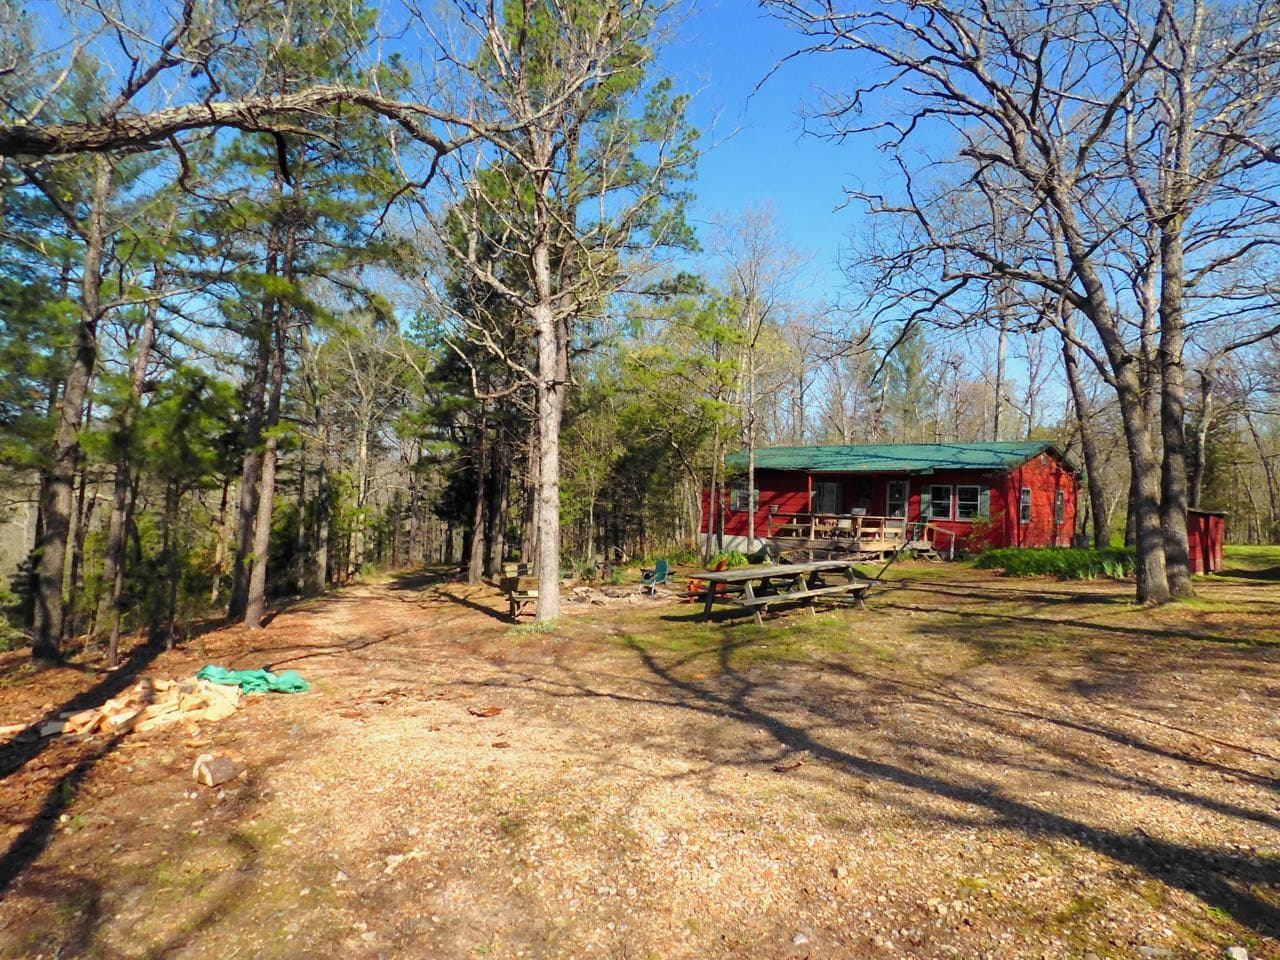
x=1228, y=879
x=1145, y=631
x=1221, y=878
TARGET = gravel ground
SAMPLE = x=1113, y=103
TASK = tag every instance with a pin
x=972, y=767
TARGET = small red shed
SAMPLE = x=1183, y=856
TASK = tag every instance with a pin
x=1206, y=530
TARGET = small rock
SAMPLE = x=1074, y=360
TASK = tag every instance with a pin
x=1156, y=953
x=799, y=940
x=841, y=872
x=1237, y=953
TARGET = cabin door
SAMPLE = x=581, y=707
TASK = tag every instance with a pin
x=827, y=496
x=896, y=498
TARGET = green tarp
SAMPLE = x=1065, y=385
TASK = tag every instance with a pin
x=255, y=681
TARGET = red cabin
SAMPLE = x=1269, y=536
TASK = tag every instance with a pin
x=1206, y=530
x=866, y=498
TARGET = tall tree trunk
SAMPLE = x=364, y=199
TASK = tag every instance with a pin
x=1088, y=445
x=256, y=604
x=1002, y=349
x=322, y=514
x=56, y=497
x=1173, y=473
x=172, y=501
x=500, y=484
x=356, y=542
x=117, y=581
x=1269, y=474
x=220, y=542
x=1195, y=485
x=529, y=537
x=301, y=539
x=113, y=559
x=83, y=516
x=251, y=471
x=552, y=382
x=1152, y=580
x=1153, y=584
x=708, y=552
x=475, y=563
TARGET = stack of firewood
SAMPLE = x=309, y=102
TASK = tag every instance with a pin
x=149, y=704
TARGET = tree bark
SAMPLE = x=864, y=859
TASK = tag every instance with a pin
x=322, y=515
x=1152, y=579
x=1173, y=473
x=113, y=561
x=251, y=471
x=550, y=400
x=1088, y=446
x=1195, y=485
x=220, y=542
x=56, y=497
x=83, y=517
x=255, y=606
x=475, y=563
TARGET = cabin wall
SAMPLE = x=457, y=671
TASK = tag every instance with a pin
x=967, y=536
x=786, y=489
x=1044, y=475
x=789, y=492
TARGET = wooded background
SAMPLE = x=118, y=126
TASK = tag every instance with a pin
x=289, y=294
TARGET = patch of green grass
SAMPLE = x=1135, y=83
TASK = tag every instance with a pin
x=736, y=645
x=1253, y=554
x=1065, y=563
x=537, y=628
x=1079, y=908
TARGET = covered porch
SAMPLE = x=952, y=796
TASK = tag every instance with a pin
x=855, y=534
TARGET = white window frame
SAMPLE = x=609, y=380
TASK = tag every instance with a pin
x=1059, y=507
x=906, y=498
x=933, y=501
x=1024, y=505
x=738, y=496
x=977, y=502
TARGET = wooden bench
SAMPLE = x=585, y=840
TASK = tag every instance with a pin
x=522, y=596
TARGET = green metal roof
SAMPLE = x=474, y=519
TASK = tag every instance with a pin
x=896, y=457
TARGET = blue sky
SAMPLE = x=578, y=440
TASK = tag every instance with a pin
x=758, y=150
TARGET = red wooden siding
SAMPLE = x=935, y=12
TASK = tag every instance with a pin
x=1205, y=533
x=1045, y=475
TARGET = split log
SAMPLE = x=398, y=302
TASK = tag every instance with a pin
x=212, y=771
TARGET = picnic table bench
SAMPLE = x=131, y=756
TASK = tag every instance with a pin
x=756, y=587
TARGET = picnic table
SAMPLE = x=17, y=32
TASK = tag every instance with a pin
x=756, y=587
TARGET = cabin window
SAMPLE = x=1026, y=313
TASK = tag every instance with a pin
x=972, y=503
x=896, y=499
x=939, y=502
x=1024, y=505
x=1059, y=507
x=738, y=496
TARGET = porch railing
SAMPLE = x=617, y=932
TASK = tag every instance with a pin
x=856, y=529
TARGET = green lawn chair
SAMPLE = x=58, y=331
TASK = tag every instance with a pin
x=650, y=579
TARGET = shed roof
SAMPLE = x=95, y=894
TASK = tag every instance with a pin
x=898, y=457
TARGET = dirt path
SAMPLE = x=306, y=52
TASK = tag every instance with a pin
x=966, y=769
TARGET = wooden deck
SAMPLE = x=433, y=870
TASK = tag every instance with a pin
x=828, y=536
